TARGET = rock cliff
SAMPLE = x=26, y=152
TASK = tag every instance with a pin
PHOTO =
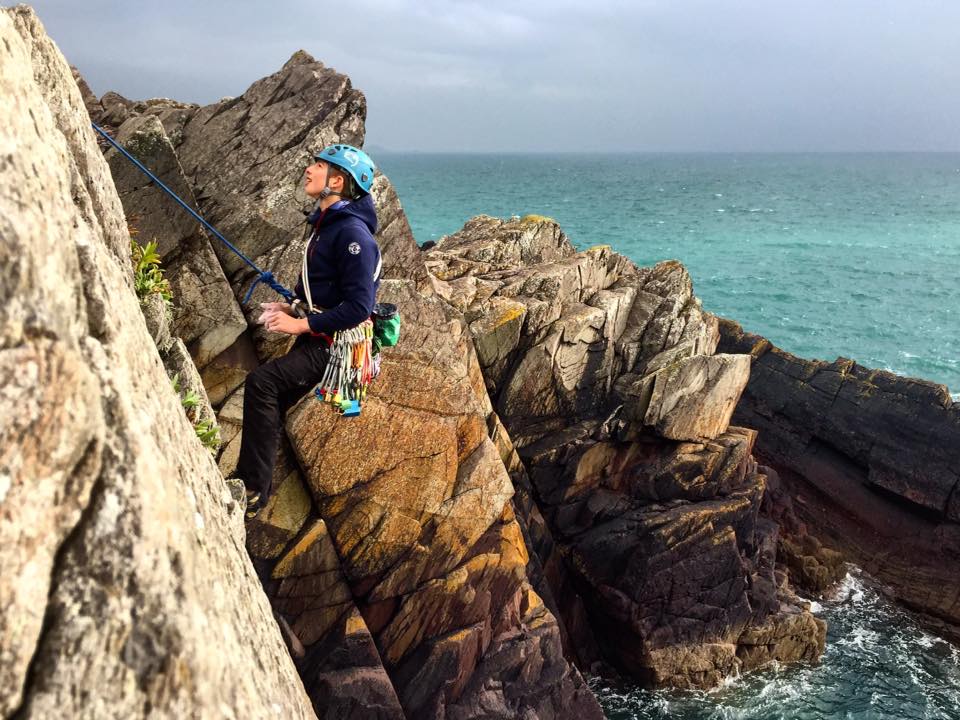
x=389, y=548
x=870, y=467
x=126, y=589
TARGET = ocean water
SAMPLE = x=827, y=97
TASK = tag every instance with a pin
x=827, y=255
x=878, y=665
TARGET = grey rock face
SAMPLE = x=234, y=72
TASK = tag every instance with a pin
x=126, y=589
x=206, y=315
x=557, y=330
x=694, y=398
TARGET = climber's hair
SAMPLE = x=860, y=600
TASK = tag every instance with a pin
x=350, y=191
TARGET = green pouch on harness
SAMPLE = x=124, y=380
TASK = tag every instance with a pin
x=386, y=326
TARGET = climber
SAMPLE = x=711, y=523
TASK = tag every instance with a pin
x=337, y=289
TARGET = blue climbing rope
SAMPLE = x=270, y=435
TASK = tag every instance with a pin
x=263, y=276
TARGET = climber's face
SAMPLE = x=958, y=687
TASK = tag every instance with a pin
x=318, y=176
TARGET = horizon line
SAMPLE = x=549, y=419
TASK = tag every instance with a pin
x=380, y=149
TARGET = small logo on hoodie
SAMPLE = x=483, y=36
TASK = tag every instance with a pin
x=354, y=248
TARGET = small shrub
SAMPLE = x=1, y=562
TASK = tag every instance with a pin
x=190, y=400
x=209, y=434
x=147, y=274
x=207, y=430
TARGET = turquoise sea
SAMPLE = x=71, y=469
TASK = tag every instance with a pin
x=826, y=255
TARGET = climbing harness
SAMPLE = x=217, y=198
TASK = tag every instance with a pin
x=263, y=276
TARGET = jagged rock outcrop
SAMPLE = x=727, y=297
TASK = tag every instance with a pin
x=245, y=159
x=125, y=587
x=113, y=109
x=427, y=611
x=640, y=499
x=872, y=463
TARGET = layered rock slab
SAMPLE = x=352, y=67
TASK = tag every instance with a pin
x=134, y=581
x=641, y=499
x=873, y=462
x=663, y=544
x=556, y=329
x=426, y=535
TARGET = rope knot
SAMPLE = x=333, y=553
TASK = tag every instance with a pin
x=267, y=277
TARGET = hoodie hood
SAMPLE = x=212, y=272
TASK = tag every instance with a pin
x=362, y=209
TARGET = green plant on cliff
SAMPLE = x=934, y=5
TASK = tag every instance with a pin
x=206, y=430
x=147, y=274
x=209, y=434
x=190, y=400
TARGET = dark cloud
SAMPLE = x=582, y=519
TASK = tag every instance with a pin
x=495, y=75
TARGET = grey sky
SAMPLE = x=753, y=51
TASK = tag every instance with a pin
x=556, y=75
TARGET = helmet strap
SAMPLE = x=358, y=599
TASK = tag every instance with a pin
x=327, y=190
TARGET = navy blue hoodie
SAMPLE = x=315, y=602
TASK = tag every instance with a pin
x=343, y=262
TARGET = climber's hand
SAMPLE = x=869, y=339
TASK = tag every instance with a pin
x=280, y=322
x=273, y=308
x=277, y=307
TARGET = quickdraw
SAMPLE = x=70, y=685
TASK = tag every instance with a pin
x=350, y=370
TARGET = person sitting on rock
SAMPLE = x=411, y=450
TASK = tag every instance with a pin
x=337, y=290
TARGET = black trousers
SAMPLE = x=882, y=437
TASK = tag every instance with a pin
x=270, y=391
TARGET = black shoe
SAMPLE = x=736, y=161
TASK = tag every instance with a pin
x=255, y=503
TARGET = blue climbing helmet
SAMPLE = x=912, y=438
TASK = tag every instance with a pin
x=354, y=161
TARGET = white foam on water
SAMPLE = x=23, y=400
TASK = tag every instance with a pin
x=861, y=638
x=850, y=590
